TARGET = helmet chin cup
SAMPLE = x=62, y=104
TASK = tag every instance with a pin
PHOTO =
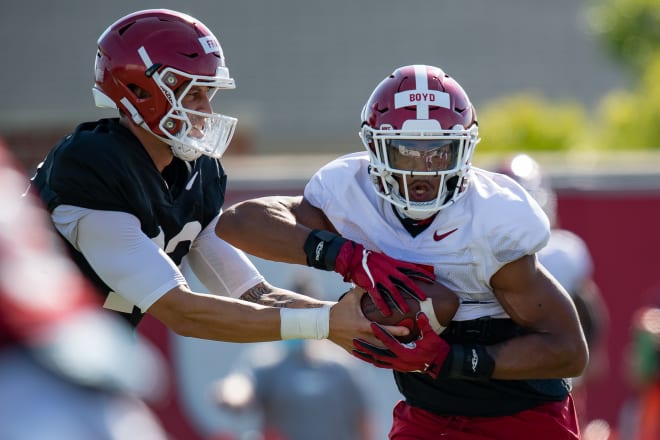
x=413, y=214
x=185, y=152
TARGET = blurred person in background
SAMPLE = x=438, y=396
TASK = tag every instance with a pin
x=639, y=417
x=567, y=258
x=132, y=196
x=68, y=369
x=300, y=389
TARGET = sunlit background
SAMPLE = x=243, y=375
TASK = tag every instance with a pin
x=574, y=83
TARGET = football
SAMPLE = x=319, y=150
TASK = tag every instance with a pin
x=443, y=302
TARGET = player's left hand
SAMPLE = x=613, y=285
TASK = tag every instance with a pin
x=426, y=354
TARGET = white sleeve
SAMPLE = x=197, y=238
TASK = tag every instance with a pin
x=120, y=253
x=567, y=258
x=222, y=268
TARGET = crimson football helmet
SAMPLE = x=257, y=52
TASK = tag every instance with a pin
x=419, y=125
x=147, y=62
x=528, y=173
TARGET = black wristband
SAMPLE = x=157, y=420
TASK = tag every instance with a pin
x=322, y=249
x=467, y=362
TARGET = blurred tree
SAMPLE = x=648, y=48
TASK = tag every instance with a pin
x=528, y=122
x=629, y=119
x=628, y=29
x=625, y=119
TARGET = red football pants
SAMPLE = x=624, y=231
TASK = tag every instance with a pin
x=550, y=421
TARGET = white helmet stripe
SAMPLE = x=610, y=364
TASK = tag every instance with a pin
x=421, y=97
x=422, y=86
x=144, y=56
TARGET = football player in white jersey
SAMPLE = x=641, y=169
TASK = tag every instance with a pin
x=567, y=258
x=498, y=371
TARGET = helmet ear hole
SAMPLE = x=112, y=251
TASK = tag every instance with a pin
x=138, y=91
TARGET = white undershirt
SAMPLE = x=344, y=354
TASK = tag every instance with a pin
x=141, y=272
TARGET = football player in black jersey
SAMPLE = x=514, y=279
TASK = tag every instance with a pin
x=497, y=371
x=135, y=194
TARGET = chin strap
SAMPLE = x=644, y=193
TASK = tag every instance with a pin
x=414, y=215
x=184, y=152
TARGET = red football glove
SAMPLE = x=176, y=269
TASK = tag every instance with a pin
x=375, y=272
x=380, y=275
x=425, y=355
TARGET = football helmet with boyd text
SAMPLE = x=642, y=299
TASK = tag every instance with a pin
x=420, y=130
x=148, y=62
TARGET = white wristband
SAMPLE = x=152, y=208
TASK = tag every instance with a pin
x=305, y=323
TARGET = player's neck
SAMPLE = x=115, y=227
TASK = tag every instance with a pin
x=414, y=227
x=160, y=153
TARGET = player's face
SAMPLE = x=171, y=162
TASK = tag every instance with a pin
x=421, y=156
x=198, y=98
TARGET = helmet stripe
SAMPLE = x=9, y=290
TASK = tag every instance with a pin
x=422, y=86
x=421, y=97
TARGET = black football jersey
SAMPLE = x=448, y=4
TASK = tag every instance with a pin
x=103, y=166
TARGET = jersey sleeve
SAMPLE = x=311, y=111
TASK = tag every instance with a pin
x=316, y=190
x=335, y=183
x=568, y=259
x=513, y=224
x=223, y=269
x=131, y=264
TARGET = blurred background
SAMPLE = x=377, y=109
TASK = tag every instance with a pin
x=572, y=83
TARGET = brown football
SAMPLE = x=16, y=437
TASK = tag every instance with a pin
x=444, y=302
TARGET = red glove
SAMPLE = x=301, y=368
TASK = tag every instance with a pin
x=425, y=355
x=375, y=272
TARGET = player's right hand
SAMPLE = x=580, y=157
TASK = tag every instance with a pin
x=425, y=355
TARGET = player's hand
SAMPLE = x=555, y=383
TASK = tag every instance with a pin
x=348, y=323
x=426, y=354
x=380, y=275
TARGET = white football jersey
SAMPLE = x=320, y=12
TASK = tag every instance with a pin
x=494, y=223
x=567, y=258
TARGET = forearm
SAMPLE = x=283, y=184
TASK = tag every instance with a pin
x=275, y=297
x=545, y=356
x=554, y=345
x=255, y=317
x=215, y=317
x=266, y=228
x=234, y=320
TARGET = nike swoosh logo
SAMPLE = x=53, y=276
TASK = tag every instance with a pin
x=438, y=237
